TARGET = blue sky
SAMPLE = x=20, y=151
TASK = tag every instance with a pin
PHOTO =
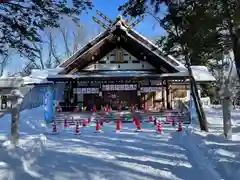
x=148, y=27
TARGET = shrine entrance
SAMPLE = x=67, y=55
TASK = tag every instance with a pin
x=89, y=100
x=115, y=98
x=85, y=93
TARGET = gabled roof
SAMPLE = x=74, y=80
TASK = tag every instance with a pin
x=130, y=40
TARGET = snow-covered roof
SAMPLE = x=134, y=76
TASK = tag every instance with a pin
x=200, y=74
x=173, y=60
x=155, y=52
x=10, y=82
x=165, y=63
x=75, y=61
x=30, y=80
x=180, y=66
x=106, y=74
x=39, y=76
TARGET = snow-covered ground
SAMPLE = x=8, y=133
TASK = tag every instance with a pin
x=119, y=156
x=223, y=155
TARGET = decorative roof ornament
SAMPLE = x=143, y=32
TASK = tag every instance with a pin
x=104, y=17
x=119, y=21
x=104, y=25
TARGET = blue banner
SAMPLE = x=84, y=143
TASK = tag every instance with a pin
x=49, y=105
x=193, y=112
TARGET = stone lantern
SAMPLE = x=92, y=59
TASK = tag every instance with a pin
x=10, y=101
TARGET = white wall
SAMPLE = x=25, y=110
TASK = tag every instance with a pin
x=34, y=95
x=142, y=65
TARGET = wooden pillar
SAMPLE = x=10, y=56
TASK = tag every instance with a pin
x=75, y=97
x=163, y=95
x=139, y=95
x=154, y=99
x=168, y=94
x=145, y=100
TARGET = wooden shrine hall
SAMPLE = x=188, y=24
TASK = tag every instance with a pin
x=120, y=66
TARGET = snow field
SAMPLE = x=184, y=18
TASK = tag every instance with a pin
x=127, y=155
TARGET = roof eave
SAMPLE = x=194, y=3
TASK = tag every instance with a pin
x=84, y=48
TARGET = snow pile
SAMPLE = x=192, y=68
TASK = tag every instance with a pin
x=16, y=159
x=202, y=162
x=31, y=128
x=223, y=154
x=215, y=116
x=31, y=122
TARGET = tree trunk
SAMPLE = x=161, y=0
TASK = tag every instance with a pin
x=236, y=52
x=197, y=101
x=234, y=36
x=226, y=103
x=65, y=39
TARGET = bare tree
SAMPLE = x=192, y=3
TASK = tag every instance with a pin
x=28, y=68
x=79, y=37
x=65, y=34
x=53, y=51
x=49, y=63
x=48, y=54
x=39, y=48
x=34, y=63
x=4, y=61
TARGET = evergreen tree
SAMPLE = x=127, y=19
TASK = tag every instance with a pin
x=201, y=30
x=21, y=22
x=207, y=28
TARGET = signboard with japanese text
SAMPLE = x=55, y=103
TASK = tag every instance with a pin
x=150, y=89
x=86, y=90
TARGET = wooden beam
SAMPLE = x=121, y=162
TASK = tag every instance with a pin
x=168, y=94
x=103, y=48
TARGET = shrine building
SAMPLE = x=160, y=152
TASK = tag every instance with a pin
x=120, y=66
